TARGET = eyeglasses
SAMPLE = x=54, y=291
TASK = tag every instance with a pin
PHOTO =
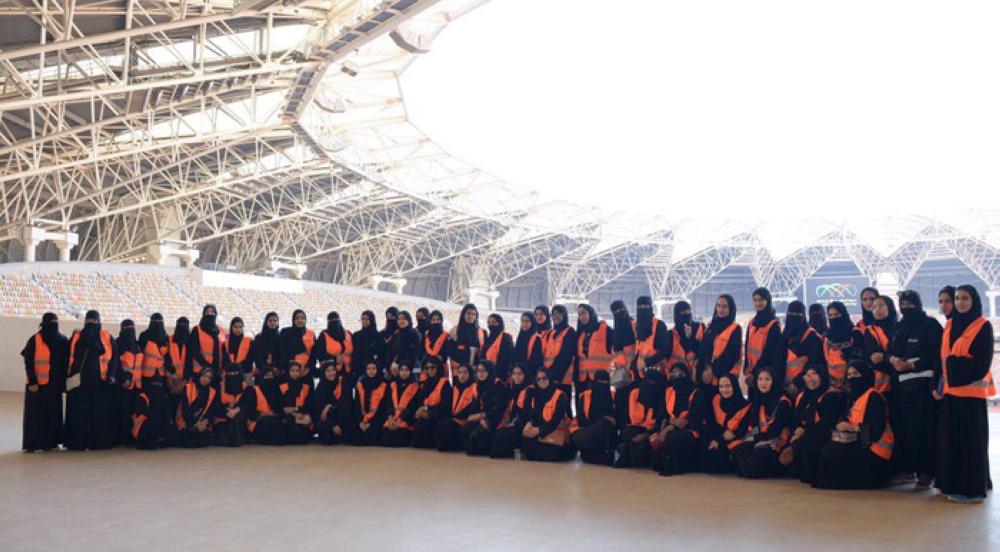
x=541, y=378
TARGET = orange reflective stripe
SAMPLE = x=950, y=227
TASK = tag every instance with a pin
x=459, y=401
x=597, y=356
x=207, y=345
x=493, y=353
x=241, y=354
x=341, y=352
x=883, y=447
x=42, y=361
x=435, y=349
x=401, y=402
x=549, y=411
x=308, y=341
x=677, y=353
x=795, y=364
x=720, y=343
x=639, y=414
x=835, y=362
x=178, y=356
x=551, y=345
x=980, y=389
x=104, y=360
x=434, y=398
x=757, y=341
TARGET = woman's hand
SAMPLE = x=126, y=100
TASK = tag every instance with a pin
x=876, y=358
x=326, y=412
x=713, y=445
x=847, y=427
x=33, y=388
x=364, y=426
x=728, y=435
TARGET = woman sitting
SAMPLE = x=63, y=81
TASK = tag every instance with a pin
x=434, y=399
x=768, y=429
x=508, y=435
x=724, y=427
x=299, y=427
x=858, y=455
x=675, y=445
x=397, y=431
x=477, y=435
x=594, y=431
x=817, y=410
x=641, y=405
x=199, y=405
x=545, y=438
x=464, y=403
x=370, y=407
x=331, y=404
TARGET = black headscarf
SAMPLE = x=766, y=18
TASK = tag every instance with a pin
x=889, y=323
x=49, y=328
x=542, y=396
x=770, y=399
x=423, y=322
x=208, y=321
x=913, y=317
x=372, y=330
x=682, y=385
x=371, y=383
x=291, y=337
x=126, y=337
x=600, y=393
x=487, y=387
x=233, y=339
x=515, y=389
x=795, y=323
x=643, y=317
x=547, y=325
x=496, y=328
x=591, y=326
x=817, y=318
x=718, y=324
x=824, y=381
x=680, y=319
x=156, y=332
x=840, y=328
x=182, y=331
x=465, y=333
x=457, y=385
x=434, y=329
x=565, y=318
x=731, y=405
x=623, y=335
x=326, y=388
x=858, y=385
x=762, y=317
x=523, y=337
x=950, y=292
x=960, y=321
x=390, y=321
x=866, y=315
x=267, y=335
x=651, y=389
x=334, y=327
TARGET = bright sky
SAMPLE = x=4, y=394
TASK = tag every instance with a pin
x=724, y=109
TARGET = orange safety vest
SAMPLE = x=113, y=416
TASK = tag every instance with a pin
x=584, y=411
x=677, y=353
x=153, y=359
x=982, y=389
x=883, y=447
x=303, y=396
x=733, y=423
x=371, y=409
x=400, y=403
x=638, y=414
x=836, y=364
x=883, y=381
x=207, y=345
x=435, y=349
x=459, y=401
x=551, y=345
x=646, y=346
x=130, y=362
x=308, y=339
x=178, y=356
x=719, y=346
x=597, y=356
x=434, y=398
x=191, y=389
x=139, y=419
x=493, y=352
x=670, y=397
x=756, y=341
x=104, y=359
x=262, y=406
x=764, y=422
x=42, y=361
x=549, y=410
x=340, y=351
x=795, y=364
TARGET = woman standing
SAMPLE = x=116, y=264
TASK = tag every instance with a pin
x=858, y=455
x=652, y=341
x=265, y=348
x=594, y=431
x=800, y=346
x=545, y=438
x=237, y=365
x=334, y=344
x=817, y=318
x=559, y=349
x=623, y=337
x=499, y=347
x=763, y=337
x=367, y=345
x=963, y=467
x=404, y=346
x=436, y=341
x=528, y=346
x=868, y=297
x=720, y=350
x=946, y=301
x=295, y=344
x=915, y=356
x=467, y=339
x=685, y=337
x=878, y=341
x=89, y=416
x=204, y=346
x=46, y=358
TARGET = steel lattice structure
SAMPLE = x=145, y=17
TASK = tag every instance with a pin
x=267, y=134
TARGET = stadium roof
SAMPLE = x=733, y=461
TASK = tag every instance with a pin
x=262, y=132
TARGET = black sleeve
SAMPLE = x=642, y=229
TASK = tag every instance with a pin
x=562, y=407
x=505, y=358
x=771, y=344
x=28, y=353
x=930, y=349
x=567, y=354
x=725, y=362
x=875, y=418
x=872, y=346
x=535, y=357
x=814, y=350
x=964, y=371
x=662, y=344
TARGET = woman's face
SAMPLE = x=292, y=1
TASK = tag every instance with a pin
x=431, y=369
x=540, y=317
x=470, y=316
x=812, y=380
x=676, y=374
x=963, y=301
x=210, y=311
x=832, y=313
x=725, y=388
x=526, y=323
x=880, y=310
x=393, y=371
x=294, y=371
x=237, y=328
x=853, y=373
x=557, y=317
x=463, y=374
x=764, y=382
x=583, y=315
x=405, y=372
x=517, y=376
x=330, y=372
x=482, y=374
x=205, y=378
x=707, y=376
x=945, y=304
x=721, y=308
x=867, y=300
x=436, y=319
x=365, y=321
x=759, y=303
x=299, y=320
x=542, y=381
x=371, y=370
x=390, y=316
x=403, y=322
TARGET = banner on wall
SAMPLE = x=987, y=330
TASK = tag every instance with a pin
x=846, y=289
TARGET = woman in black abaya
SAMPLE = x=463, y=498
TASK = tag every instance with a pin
x=46, y=358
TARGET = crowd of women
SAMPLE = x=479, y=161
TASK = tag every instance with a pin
x=889, y=400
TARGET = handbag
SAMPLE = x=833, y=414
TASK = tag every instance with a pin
x=845, y=437
x=558, y=438
x=621, y=377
